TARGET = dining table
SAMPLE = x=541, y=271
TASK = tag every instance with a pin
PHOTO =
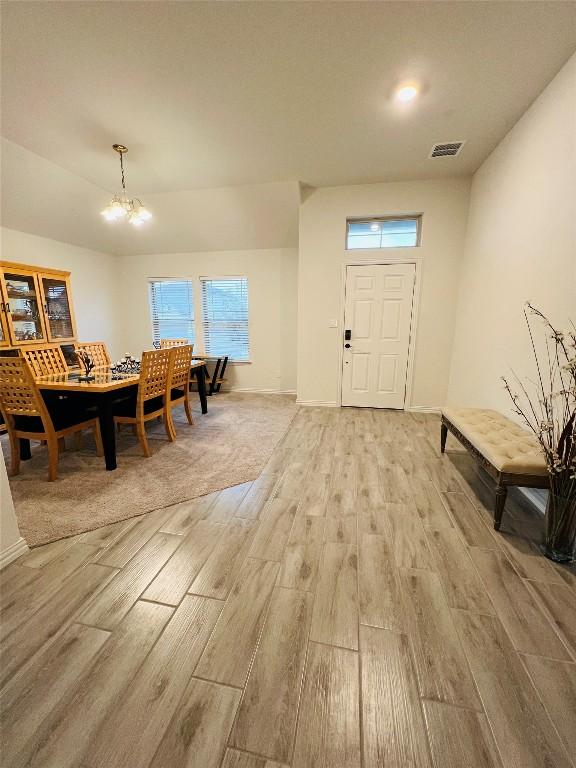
x=104, y=389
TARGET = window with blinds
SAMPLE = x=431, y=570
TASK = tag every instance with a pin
x=172, y=309
x=225, y=317
x=383, y=233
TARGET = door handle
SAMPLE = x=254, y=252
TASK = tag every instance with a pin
x=347, y=346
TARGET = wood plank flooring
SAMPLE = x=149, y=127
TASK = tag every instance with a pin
x=350, y=608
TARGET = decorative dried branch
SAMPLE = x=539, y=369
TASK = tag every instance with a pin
x=551, y=415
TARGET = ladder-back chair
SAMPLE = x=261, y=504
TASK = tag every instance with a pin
x=167, y=343
x=45, y=360
x=151, y=397
x=97, y=351
x=27, y=417
x=179, y=384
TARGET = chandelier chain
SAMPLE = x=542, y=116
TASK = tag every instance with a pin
x=122, y=170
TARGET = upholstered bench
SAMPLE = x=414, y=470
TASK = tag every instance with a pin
x=505, y=450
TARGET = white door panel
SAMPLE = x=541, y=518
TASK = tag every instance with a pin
x=360, y=365
x=391, y=317
x=378, y=312
x=363, y=319
x=387, y=371
x=393, y=282
x=364, y=283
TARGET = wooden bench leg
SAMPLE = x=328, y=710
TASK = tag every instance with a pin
x=443, y=436
x=501, y=491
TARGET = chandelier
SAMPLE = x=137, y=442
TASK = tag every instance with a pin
x=121, y=206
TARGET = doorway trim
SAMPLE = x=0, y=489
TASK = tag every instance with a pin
x=400, y=259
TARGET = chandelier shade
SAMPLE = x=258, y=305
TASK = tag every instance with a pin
x=123, y=207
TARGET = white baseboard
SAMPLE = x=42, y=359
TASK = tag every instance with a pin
x=262, y=391
x=13, y=552
x=333, y=404
x=318, y=403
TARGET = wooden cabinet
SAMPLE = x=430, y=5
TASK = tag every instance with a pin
x=23, y=306
x=36, y=305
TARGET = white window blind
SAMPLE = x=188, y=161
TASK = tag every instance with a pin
x=172, y=309
x=383, y=233
x=225, y=317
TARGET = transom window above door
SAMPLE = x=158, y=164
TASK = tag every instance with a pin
x=386, y=232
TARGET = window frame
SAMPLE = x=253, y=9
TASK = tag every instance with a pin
x=176, y=279
x=387, y=217
x=204, y=278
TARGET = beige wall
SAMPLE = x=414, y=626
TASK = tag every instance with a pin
x=323, y=214
x=93, y=277
x=272, y=297
x=520, y=245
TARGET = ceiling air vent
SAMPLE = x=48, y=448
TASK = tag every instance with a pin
x=449, y=149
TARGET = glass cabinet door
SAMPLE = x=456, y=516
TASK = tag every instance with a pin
x=23, y=307
x=59, y=319
x=4, y=340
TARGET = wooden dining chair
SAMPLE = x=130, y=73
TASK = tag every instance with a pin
x=97, y=351
x=27, y=417
x=45, y=360
x=168, y=343
x=151, y=396
x=178, y=389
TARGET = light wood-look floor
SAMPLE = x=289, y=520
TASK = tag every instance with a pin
x=351, y=608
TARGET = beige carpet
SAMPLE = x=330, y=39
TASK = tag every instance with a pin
x=229, y=445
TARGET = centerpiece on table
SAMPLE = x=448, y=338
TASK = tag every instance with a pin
x=126, y=364
x=550, y=413
x=87, y=362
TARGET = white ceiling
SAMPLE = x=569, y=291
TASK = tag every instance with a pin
x=220, y=94
x=43, y=199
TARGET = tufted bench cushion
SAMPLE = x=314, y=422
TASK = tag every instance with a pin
x=506, y=445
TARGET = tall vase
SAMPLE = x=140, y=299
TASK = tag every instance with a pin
x=560, y=538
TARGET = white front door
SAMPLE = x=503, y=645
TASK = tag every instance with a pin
x=377, y=318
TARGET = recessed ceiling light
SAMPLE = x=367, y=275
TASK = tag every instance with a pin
x=406, y=92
